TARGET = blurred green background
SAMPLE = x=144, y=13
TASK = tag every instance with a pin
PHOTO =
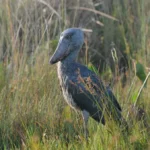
x=33, y=114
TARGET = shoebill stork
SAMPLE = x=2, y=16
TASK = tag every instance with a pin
x=82, y=89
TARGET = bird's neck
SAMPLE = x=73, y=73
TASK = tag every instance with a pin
x=70, y=58
x=65, y=67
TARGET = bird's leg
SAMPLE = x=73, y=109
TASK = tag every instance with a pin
x=85, y=116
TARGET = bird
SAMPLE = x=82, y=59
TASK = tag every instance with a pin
x=82, y=89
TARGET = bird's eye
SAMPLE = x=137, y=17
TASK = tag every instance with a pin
x=68, y=37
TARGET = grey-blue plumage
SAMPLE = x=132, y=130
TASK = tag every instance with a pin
x=82, y=89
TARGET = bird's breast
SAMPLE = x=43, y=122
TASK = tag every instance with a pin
x=69, y=99
x=64, y=79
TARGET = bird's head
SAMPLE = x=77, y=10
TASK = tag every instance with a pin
x=70, y=42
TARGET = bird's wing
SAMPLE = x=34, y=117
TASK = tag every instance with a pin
x=86, y=100
x=88, y=92
x=105, y=93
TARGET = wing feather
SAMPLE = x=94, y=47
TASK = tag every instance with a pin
x=89, y=93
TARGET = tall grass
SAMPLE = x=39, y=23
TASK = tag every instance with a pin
x=33, y=114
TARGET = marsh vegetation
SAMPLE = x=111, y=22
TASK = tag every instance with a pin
x=33, y=113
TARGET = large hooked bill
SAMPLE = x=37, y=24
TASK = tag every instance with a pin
x=61, y=52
